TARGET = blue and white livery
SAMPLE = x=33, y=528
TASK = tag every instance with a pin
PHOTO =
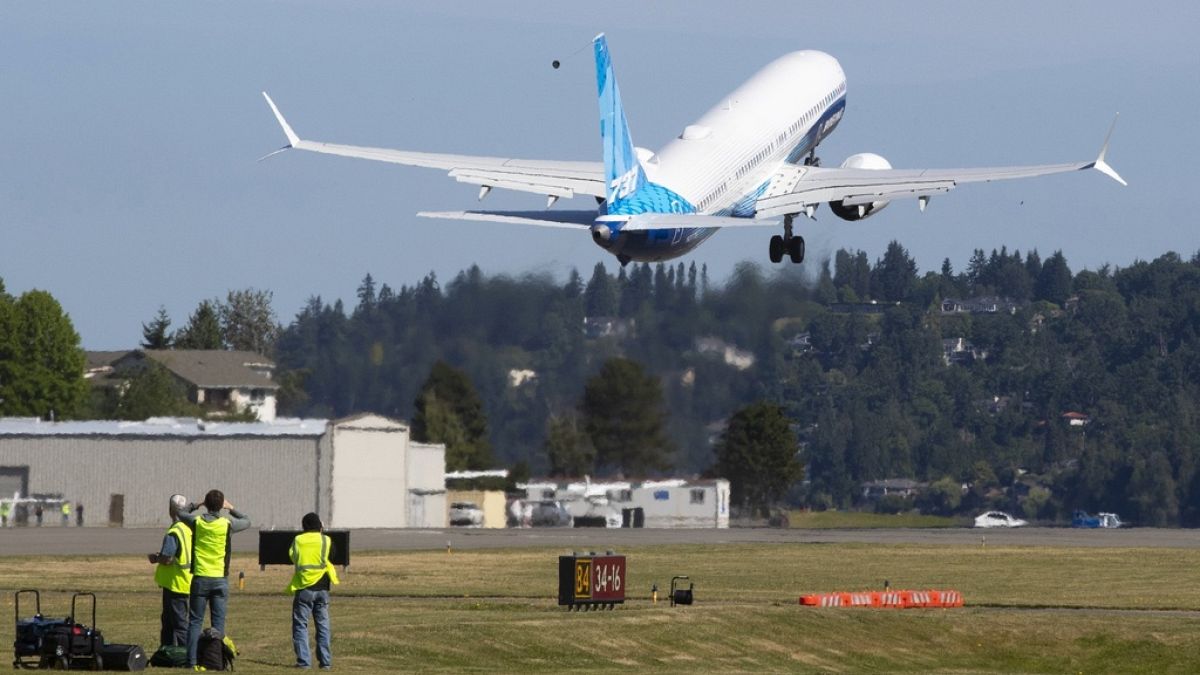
x=749, y=161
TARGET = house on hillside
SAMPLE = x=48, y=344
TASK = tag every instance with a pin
x=218, y=380
x=877, y=489
x=961, y=351
x=741, y=359
x=608, y=326
x=981, y=305
x=1076, y=419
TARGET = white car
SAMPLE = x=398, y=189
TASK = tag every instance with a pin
x=466, y=514
x=998, y=519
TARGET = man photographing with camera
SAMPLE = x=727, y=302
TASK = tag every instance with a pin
x=212, y=545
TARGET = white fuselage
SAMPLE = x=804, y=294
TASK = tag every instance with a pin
x=722, y=162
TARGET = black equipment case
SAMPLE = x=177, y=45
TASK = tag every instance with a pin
x=72, y=644
x=31, y=631
x=123, y=657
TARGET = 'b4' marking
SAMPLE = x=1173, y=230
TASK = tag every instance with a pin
x=583, y=578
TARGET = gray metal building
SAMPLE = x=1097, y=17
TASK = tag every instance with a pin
x=353, y=472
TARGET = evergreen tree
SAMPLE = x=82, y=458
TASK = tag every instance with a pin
x=568, y=450
x=155, y=334
x=623, y=415
x=1054, y=281
x=366, y=294
x=448, y=410
x=757, y=453
x=600, y=296
x=895, y=274
x=154, y=392
x=203, y=329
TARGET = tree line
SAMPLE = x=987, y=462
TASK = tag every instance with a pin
x=652, y=369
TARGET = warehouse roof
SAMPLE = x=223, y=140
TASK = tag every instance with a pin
x=163, y=426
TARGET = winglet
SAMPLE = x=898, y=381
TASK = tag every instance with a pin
x=1101, y=165
x=293, y=139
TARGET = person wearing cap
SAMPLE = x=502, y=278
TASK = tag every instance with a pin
x=212, y=544
x=314, y=574
x=173, y=573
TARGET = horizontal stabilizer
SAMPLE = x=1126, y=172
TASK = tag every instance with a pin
x=667, y=221
x=569, y=219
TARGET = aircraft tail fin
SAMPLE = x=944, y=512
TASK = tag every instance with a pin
x=623, y=173
x=628, y=190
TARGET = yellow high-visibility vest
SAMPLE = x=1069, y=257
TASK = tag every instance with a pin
x=177, y=576
x=310, y=553
x=66, y=508
x=210, y=547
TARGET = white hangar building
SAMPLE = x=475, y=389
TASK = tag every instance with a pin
x=362, y=471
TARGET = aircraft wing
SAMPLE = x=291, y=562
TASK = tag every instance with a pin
x=796, y=189
x=545, y=177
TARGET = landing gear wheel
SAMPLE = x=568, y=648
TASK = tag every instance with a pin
x=795, y=247
x=776, y=249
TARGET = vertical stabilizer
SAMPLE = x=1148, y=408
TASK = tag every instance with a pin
x=628, y=190
x=622, y=172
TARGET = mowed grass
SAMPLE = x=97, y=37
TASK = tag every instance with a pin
x=827, y=520
x=1051, y=610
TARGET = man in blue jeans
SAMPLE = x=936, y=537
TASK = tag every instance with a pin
x=211, y=547
x=314, y=574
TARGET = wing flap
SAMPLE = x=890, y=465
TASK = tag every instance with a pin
x=511, y=181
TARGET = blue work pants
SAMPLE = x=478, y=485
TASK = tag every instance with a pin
x=316, y=603
x=212, y=592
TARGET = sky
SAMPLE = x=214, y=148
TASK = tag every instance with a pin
x=129, y=134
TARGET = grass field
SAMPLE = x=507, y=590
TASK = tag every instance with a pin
x=826, y=520
x=1052, y=610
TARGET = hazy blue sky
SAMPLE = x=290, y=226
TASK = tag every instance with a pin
x=129, y=133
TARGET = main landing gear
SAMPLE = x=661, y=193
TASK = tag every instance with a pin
x=792, y=245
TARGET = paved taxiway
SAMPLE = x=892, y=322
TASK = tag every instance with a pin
x=110, y=541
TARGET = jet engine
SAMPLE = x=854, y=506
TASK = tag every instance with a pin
x=602, y=234
x=863, y=160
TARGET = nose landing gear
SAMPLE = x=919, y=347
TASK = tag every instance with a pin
x=792, y=245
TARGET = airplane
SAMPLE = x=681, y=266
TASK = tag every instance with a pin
x=747, y=162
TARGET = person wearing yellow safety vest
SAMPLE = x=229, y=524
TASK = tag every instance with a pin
x=310, y=552
x=66, y=513
x=173, y=573
x=211, y=546
x=4, y=509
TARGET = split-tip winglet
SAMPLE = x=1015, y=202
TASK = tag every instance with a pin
x=1100, y=164
x=293, y=139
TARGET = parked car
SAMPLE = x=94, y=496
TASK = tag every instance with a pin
x=998, y=519
x=466, y=514
x=1100, y=520
x=550, y=514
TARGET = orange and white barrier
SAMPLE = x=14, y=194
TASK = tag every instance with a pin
x=896, y=599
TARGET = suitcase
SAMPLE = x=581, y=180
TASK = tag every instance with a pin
x=31, y=632
x=123, y=657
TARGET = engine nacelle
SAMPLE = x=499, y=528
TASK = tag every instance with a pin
x=862, y=160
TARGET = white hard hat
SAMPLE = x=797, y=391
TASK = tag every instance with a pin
x=178, y=503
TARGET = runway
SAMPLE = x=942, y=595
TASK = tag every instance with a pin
x=117, y=541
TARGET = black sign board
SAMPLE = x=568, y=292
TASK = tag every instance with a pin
x=591, y=581
x=273, y=546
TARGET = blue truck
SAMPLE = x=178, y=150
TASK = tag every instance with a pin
x=1100, y=520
